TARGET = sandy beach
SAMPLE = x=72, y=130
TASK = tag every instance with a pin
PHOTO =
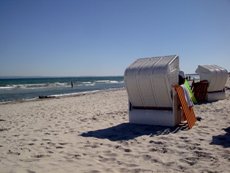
x=90, y=133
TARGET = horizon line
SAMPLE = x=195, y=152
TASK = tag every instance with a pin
x=41, y=76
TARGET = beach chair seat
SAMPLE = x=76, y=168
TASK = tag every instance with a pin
x=200, y=90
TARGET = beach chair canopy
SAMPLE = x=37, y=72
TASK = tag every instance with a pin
x=216, y=76
x=149, y=81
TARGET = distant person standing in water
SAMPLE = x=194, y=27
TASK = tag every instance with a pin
x=71, y=84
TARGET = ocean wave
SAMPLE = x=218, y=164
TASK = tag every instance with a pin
x=85, y=84
x=34, y=86
x=116, y=82
x=6, y=87
x=109, y=81
x=58, y=84
x=102, y=81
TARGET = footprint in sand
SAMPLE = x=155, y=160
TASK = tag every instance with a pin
x=190, y=160
x=110, y=154
x=76, y=156
x=51, y=143
x=155, y=142
x=127, y=150
x=146, y=157
x=153, y=149
x=13, y=152
x=30, y=171
x=47, y=133
x=39, y=156
x=205, y=155
x=59, y=147
x=3, y=129
x=94, y=171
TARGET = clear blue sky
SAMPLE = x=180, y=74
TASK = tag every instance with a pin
x=102, y=37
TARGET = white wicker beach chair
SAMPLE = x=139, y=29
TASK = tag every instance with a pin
x=217, y=77
x=152, y=98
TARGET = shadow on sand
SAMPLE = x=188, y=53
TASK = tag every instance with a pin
x=127, y=131
x=223, y=140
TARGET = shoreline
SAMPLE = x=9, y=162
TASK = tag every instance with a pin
x=59, y=96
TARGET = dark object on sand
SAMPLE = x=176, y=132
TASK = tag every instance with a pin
x=45, y=97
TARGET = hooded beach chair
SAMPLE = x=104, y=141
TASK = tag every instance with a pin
x=149, y=83
x=217, y=77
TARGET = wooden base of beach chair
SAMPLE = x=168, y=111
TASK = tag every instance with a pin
x=188, y=112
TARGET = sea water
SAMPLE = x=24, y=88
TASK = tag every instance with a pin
x=17, y=89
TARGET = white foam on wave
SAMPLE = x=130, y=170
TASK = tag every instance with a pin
x=86, y=84
x=18, y=100
x=109, y=81
x=6, y=87
x=58, y=84
x=102, y=81
x=113, y=81
x=116, y=82
x=35, y=86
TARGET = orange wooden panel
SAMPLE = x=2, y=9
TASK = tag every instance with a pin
x=188, y=112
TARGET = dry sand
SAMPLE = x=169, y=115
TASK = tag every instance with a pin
x=91, y=133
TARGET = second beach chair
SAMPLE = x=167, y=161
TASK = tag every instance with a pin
x=217, y=77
